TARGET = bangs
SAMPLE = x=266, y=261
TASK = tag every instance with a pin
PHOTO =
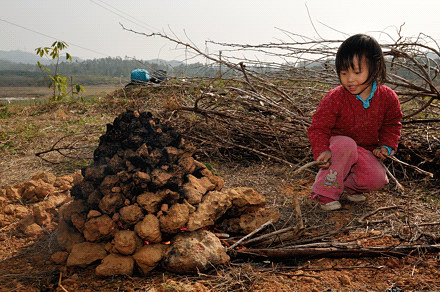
x=347, y=62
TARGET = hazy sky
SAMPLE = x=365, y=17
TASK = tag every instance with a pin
x=92, y=27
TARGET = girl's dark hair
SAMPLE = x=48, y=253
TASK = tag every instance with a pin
x=361, y=45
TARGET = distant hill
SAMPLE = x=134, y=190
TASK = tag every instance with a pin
x=18, y=68
x=161, y=62
x=26, y=61
x=21, y=57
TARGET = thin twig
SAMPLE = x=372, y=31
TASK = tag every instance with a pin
x=298, y=211
x=362, y=219
x=398, y=185
x=59, y=283
x=307, y=165
x=268, y=235
x=261, y=227
x=297, y=275
x=428, y=224
x=342, y=268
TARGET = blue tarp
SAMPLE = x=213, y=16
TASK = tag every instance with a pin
x=140, y=75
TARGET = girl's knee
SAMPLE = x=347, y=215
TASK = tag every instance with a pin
x=343, y=141
x=373, y=182
x=381, y=182
x=347, y=144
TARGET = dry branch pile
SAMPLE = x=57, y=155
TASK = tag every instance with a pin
x=262, y=109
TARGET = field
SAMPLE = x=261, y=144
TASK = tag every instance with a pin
x=27, y=128
x=31, y=94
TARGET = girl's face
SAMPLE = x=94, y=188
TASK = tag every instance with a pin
x=354, y=79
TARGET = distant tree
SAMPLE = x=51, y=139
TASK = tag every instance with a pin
x=58, y=81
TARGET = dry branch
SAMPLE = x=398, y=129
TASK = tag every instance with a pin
x=250, y=242
x=427, y=173
x=258, y=229
x=306, y=166
x=362, y=219
x=70, y=147
x=336, y=250
x=398, y=185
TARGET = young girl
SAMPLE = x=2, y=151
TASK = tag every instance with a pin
x=355, y=124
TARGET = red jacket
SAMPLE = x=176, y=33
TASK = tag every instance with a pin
x=340, y=113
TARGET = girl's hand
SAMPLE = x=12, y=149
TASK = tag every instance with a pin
x=381, y=152
x=325, y=158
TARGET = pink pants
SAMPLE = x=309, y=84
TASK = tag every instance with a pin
x=352, y=168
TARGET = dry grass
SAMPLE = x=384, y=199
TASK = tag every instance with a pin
x=29, y=129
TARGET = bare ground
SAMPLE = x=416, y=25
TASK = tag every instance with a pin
x=25, y=264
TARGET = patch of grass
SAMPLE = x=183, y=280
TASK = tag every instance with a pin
x=213, y=167
x=432, y=198
x=7, y=145
x=35, y=114
x=86, y=121
x=26, y=132
x=5, y=113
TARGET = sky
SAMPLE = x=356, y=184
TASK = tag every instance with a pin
x=95, y=28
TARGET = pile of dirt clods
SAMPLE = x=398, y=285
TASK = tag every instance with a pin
x=146, y=201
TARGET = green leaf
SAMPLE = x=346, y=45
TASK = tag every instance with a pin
x=79, y=88
x=40, y=52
